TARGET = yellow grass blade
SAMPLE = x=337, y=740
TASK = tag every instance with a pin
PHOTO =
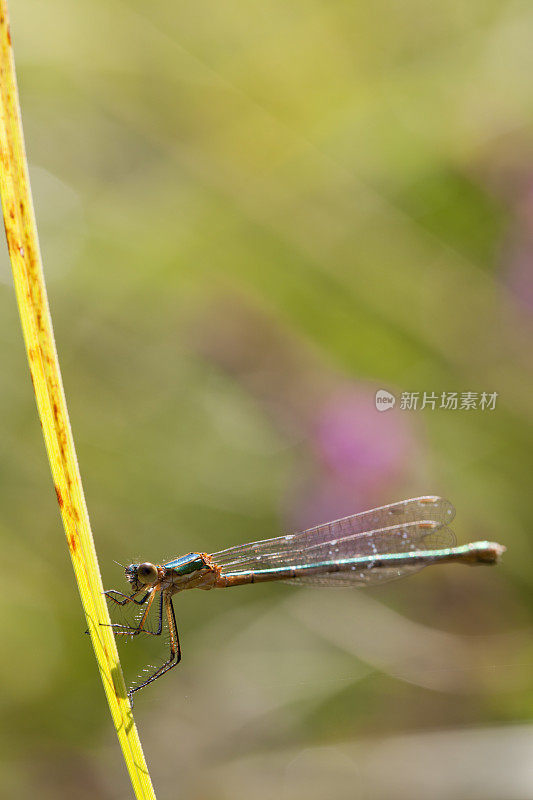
x=30, y=288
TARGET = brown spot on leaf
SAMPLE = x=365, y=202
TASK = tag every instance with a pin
x=58, y=495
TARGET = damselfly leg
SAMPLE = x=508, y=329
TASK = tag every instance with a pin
x=165, y=601
x=134, y=630
x=175, y=650
x=127, y=598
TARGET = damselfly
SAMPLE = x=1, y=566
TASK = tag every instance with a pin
x=372, y=547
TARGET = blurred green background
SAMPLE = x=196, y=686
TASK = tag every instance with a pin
x=252, y=217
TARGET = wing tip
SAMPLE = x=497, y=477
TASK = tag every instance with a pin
x=436, y=501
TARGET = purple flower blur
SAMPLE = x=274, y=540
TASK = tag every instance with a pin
x=363, y=457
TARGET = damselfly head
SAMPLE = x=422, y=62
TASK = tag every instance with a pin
x=142, y=574
x=147, y=573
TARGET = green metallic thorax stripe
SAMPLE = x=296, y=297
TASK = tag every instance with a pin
x=191, y=566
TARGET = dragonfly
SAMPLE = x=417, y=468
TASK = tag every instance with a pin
x=361, y=550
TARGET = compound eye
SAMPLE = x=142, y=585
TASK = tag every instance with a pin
x=147, y=573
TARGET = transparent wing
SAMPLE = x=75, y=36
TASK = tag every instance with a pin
x=420, y=536
x=401, y=527
x=367, y=577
